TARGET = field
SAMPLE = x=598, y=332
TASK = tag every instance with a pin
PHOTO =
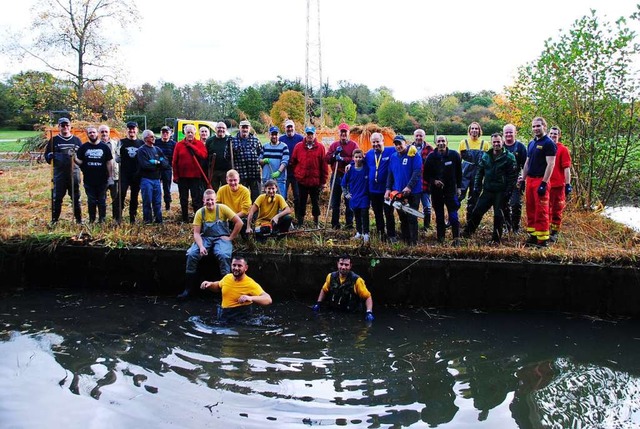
x=10, y=139
x=587, y=237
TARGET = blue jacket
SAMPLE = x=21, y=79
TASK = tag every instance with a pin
x=405, y=171
x=378, y=183
x=355, y=182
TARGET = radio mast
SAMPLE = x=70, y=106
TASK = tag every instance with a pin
x=313, y=80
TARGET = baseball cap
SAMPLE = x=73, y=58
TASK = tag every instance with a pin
x=399, y=138
x=311, y=130
x=64, y=121
x=289, y=122
x=245, y=122
x=343, y=126
x=132, y=125
x=274, y=130
x=165, y=128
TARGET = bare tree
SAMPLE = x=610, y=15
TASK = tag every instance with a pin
x=78, y=27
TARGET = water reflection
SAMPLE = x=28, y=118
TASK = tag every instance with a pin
x=118, y=361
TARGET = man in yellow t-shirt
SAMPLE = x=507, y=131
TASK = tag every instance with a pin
x=235, y=196
x=239, y=291
x=211, y=233
x=274, y=215
x=345, y=290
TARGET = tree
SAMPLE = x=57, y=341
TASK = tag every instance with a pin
x=250, y=102
x=68, y=37
x=35, y=94
x=584, y=83
x=392, y=113
x=290, y=105
x=341, y=109
x=166, y=105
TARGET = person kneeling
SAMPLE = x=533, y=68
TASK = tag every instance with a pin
x=239, y=291
x=345, y=290
x=273, y=213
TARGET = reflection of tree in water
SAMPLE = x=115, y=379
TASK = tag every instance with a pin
x=580, y=395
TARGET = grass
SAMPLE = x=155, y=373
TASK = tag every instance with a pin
x=10, y=140
x=587, y=237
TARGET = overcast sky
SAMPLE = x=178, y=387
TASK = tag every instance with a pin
x=416, y=48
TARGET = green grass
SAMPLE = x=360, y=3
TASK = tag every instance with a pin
x=10, y=140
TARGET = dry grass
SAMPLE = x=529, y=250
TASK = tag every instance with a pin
x=587, y=237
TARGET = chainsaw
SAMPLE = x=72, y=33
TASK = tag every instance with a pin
x=398, y=201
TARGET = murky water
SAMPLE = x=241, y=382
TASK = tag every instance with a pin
x=77, y=360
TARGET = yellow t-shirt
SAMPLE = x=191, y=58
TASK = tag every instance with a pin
x=268, y=209
x=232, y=289
x=239, y=201
x=473, y=144
x=360, y=287
x=226, y=214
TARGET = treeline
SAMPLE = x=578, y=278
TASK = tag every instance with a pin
x=32, y=97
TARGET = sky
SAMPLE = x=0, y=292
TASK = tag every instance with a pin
x=416, y=48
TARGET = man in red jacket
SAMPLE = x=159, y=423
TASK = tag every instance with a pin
x=339, y=155
x=187, y=171
x=311, y=172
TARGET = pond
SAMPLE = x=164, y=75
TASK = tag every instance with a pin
x=77, y=360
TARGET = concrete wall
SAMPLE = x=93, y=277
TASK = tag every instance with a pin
x=459, y=284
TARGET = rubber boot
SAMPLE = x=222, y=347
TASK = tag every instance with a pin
x=190, y=286
x=427, y=220
x=185, y=214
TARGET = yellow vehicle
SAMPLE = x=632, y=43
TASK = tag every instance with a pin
x=179, y=124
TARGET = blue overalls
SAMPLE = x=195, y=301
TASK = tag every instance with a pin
x=212, y=233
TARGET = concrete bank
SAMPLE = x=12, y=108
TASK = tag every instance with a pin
x=451, y=284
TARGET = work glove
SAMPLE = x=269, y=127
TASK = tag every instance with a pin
x=542, y=189
x=110, y=181
x=347, y=195
x=48, y=156
x=339, y=157
x=412, y=150
x=265, y=161
x=339, y=149
x=275, y=174
x=369, y=317
x=155, y=161
x=316, y=306
x=568, y=189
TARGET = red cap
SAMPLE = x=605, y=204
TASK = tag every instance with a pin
x=343, y=126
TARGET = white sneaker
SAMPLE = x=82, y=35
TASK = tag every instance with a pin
x=365, y=238
x=358, y=236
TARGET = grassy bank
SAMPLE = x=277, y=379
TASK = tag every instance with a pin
x=587, y=237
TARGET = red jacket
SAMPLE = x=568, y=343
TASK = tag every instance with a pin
x=184, y=166
x=346, y=152
x=309, y=167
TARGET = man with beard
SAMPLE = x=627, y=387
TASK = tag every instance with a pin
x=129, y=177
x=239, y=292
x=151, y=161
x=96, y=162
x=443, y=171
x=377, y=159
x=424, y=149
x=66, y=175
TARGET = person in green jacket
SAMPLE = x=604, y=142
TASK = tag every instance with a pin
x=495, y=180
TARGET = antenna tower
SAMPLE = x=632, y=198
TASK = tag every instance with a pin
x=313, y=71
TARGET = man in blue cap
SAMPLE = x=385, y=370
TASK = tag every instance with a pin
x=274, y=160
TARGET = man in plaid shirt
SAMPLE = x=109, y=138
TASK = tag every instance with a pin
x=244, y=158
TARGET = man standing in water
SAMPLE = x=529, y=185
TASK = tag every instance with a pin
x=239, y=291
x=345, y=290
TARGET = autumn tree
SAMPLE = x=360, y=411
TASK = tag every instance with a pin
x=70, y=37
x=585, y=83
x=341, y=109
x=290, y=105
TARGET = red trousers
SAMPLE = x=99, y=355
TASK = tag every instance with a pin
x=537, y=209
x=557, y=203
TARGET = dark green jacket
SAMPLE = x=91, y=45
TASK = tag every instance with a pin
x=496, y=173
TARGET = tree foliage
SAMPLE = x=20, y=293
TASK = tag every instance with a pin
x=68, y=37
x=290, y=105
x=340, y=109
x=392, y=113
x=250, y=102
x=584, y=82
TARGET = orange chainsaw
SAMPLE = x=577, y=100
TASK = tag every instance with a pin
x=398, y=201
